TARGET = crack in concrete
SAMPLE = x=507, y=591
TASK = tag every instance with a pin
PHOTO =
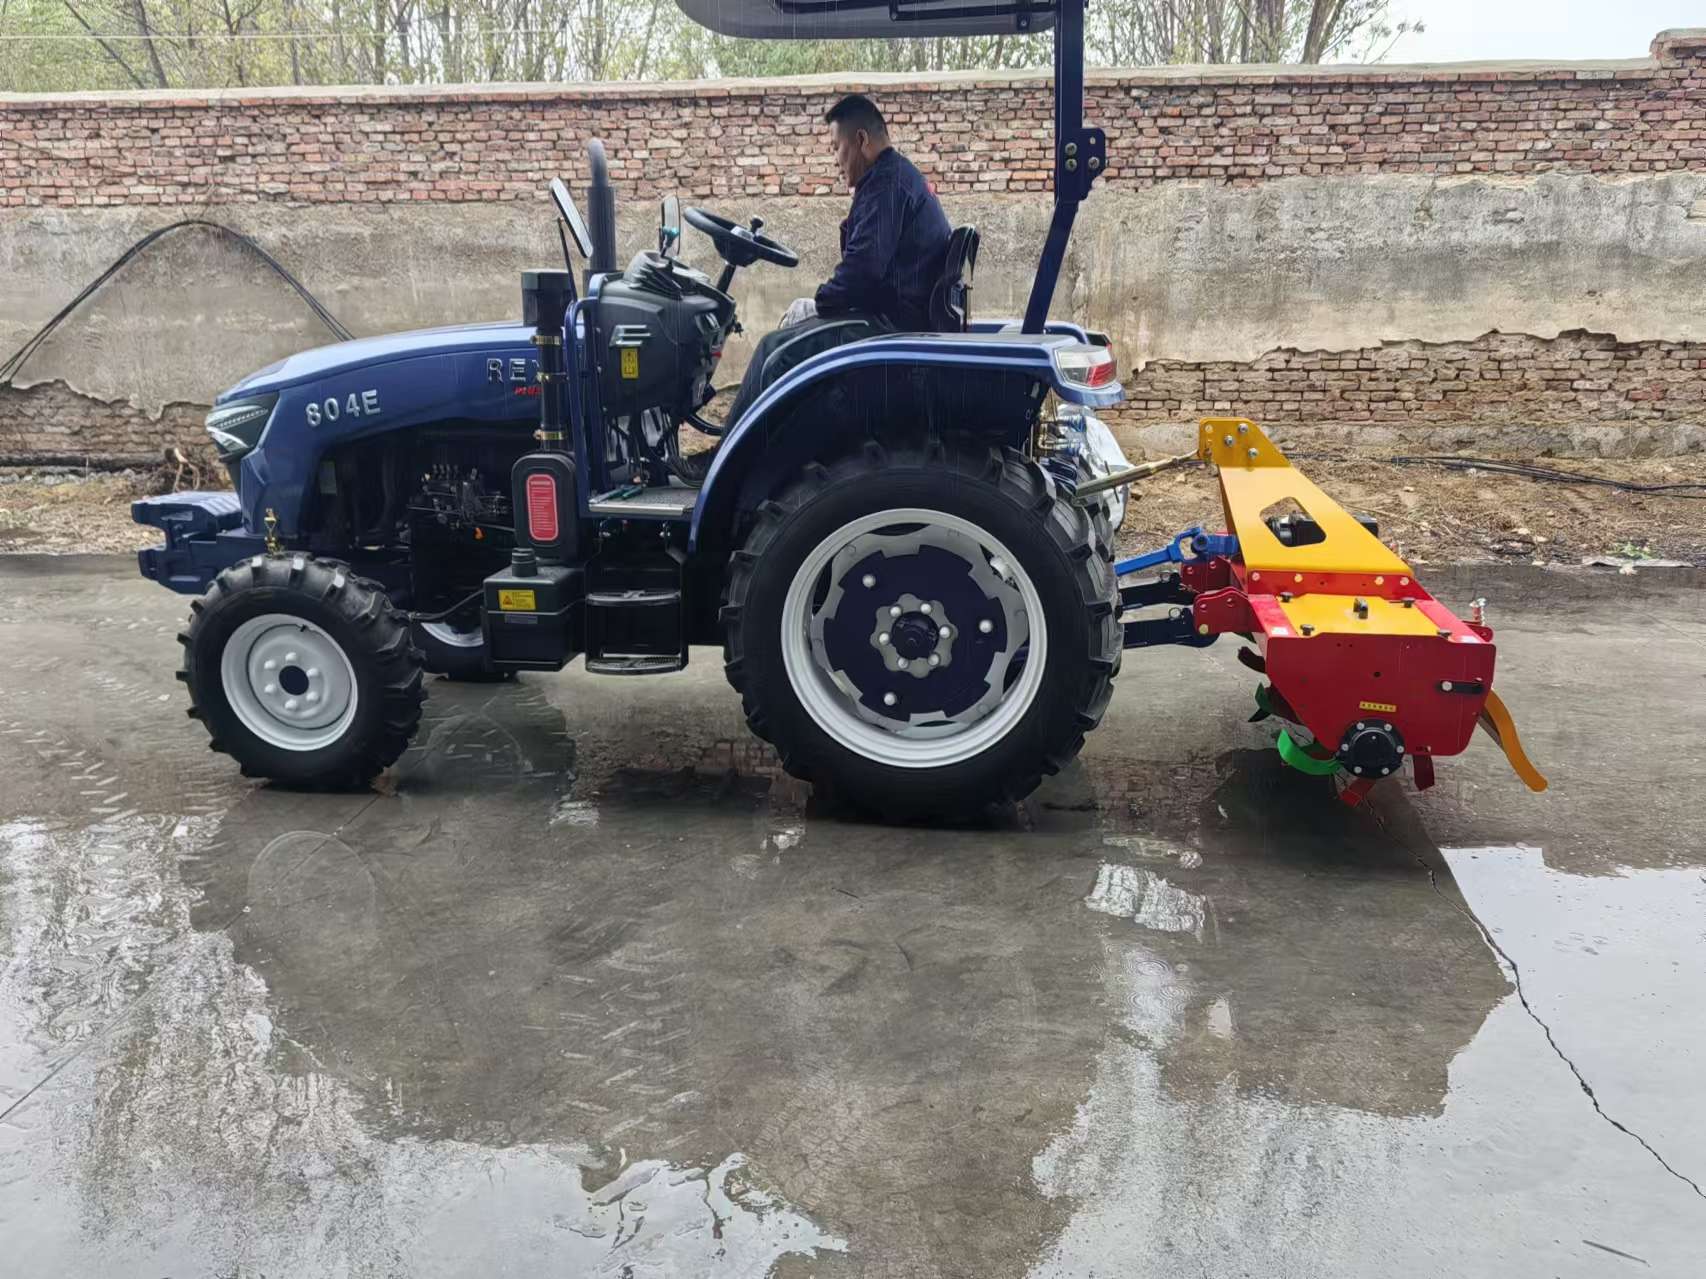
x=1538, y=1020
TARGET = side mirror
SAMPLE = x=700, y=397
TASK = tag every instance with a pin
x=669, y=226
x=572, y=216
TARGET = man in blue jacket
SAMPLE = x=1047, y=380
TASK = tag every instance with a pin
x=893, y=245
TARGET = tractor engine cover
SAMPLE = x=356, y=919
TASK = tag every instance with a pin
x=658, y=342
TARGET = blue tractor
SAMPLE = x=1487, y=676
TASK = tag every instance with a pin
x=914, y=602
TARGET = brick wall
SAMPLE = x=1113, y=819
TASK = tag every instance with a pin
x=1578, y=376
x=51, y=421
x=970, y=132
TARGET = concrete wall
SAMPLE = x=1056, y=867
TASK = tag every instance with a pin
x=1484, y=247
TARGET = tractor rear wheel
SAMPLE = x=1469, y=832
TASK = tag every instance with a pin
x=302, y=672
x=922, y=635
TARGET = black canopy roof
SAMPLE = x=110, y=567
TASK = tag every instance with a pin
x=854, y=19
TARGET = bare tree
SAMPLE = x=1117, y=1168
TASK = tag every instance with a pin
x=192, y=43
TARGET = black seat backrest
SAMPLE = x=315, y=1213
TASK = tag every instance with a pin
x=950, y=299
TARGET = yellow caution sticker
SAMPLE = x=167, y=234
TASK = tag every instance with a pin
x=517, y=601
x=1385, y=708
x=630, y=362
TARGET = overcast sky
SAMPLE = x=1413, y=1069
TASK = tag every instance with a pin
x=1467, y=30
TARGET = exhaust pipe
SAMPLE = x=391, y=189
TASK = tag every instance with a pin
x=601, y=213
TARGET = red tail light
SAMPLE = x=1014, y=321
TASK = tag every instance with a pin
x=1085, y=365
x=542, y=507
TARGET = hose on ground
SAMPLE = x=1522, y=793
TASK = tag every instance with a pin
x=1454, y=462
x=15, y=362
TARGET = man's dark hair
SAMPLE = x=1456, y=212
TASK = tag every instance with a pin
x=855, y=112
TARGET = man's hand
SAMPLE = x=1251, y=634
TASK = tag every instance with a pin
x=799, y=311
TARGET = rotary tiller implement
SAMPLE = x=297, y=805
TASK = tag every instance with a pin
x=1362, y=664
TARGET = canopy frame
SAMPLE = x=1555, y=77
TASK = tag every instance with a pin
x=1080, y=152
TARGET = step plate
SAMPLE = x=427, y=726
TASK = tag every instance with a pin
x=666, y=503
x=635, y=664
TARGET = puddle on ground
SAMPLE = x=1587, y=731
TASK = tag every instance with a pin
x=1188, y=1150
x=1615, y=965
x=163, y=1117
x=1142, y=896
x=532, y=989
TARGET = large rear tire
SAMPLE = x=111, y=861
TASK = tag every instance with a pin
x=922, y=635
x=302, y=672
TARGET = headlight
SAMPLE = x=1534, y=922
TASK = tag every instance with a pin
x=236, y=427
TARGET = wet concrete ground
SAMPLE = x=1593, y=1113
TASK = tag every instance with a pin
x=584, y=988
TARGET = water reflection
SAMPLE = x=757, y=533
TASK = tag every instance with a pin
x=1340, y=1081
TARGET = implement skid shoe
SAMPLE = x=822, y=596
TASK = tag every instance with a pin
x=1358, y=652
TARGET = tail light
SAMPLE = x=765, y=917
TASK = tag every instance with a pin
x=1081, y=364
x=543, y=489
x=542, y=508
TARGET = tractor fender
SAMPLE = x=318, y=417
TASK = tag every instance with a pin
x=768, y=442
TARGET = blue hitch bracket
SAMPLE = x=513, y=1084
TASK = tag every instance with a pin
x=1199, y=541
x=1176, y=627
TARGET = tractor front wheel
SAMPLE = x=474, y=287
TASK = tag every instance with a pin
x=922, y=634
x=302, y=672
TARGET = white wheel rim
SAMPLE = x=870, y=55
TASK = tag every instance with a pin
x=926, y=737
x=445, y=633
x=289, y=682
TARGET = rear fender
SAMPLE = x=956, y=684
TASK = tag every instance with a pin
x=986, y=385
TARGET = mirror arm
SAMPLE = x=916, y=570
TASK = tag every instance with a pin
x=568, y=264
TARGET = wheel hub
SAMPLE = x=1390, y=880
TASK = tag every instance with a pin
x=921, y=628
x=288, y=681
x=913, y=636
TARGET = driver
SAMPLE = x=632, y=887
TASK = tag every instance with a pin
x=893, y=245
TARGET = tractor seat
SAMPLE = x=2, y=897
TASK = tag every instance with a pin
x=950, y=299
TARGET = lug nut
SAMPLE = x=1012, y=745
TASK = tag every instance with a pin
x=868, y=581
x=900, y=663
x=269, y=665
x=935, y=660
x=883, y=638
x=270, y=689
x=889, y=699
x=894, y=610
x=924, y=609
x=944, y=632
x=986, y=626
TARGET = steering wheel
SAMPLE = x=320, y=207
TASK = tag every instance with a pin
x=739, y=245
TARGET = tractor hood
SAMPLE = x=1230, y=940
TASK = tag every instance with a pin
x=343, y=357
